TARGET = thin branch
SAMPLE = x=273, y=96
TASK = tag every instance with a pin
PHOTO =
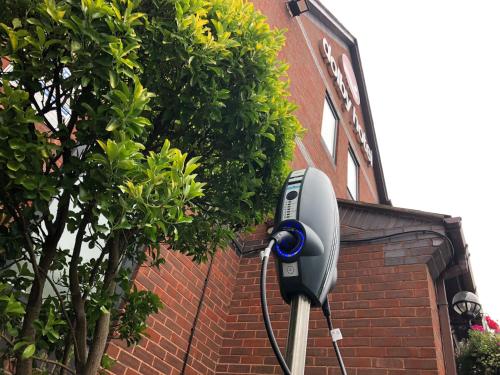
x=49, y=109
x=27, y=239
x=63, y=310
x=57, y=77
x=66, y=95
x=49, y=97
x=31, y=252
x=74, y=115
x=69, y=369
x=8, y=341
x=40, y=112
x=93, y=273
x=62, y=214
x=66, y=356
x=74, y=286
x=11, y=264
x=53, y=162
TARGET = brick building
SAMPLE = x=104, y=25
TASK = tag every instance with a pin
x=391, y=297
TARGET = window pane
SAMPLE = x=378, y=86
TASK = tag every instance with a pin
x=352, y=175
x=329, y=128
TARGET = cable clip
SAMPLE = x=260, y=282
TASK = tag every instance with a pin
x=265, y=253
x=336, y=334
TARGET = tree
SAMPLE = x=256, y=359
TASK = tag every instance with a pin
x=101, y=97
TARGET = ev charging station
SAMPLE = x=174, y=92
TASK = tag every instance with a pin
x=305, y=242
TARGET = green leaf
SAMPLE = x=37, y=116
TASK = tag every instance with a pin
x=14, y=307
x=269, y=136
x=12, y=36
x=107, y=362
x=113, y=78
x=52, y=335
x=75, y=46
x=104, y=310
x=178, y=11
x=41, y=34
x=13, y=165
x=112, y=125
x=20, y=344
x=28, y=351
x=16, y=23
x=34, y=21
x=11, y=330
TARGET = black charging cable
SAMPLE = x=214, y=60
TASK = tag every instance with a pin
x=399, y=234
x=265, y=312
x=328, y=316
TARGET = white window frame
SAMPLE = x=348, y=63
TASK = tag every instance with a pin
x=329, y=134
x=352, y=161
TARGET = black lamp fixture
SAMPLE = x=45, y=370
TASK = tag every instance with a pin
x=467, y=305
x=297, y=9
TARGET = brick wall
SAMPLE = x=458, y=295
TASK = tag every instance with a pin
x=387, y=315
x=179, y=283
x=387, y=310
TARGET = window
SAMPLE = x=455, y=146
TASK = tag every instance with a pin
x=352, y=175
x=329, y=127
x=46, y=95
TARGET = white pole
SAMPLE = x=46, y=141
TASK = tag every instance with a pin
x=298, y=327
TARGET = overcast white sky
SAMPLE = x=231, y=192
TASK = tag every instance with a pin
x=432, y=70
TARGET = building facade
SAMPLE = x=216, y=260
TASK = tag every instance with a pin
x=391, y=299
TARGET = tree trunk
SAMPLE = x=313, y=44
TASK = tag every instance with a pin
x=101, y=329
x=34, y=305
x=76, y=298
x=98, y=344
x=24, y=366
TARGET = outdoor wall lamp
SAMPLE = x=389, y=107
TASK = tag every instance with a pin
x=466, y=304
x=297, y=9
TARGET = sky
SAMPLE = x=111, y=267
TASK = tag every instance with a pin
x=432, y=70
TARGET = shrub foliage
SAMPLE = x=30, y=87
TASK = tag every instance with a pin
x=479, y=354
x=101, y=98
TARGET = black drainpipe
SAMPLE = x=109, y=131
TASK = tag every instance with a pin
x=195, y=321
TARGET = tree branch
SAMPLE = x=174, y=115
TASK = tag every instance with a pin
x=65, y=313
x=61, y=216
x=93, y=273
x=52, y=162
x=66, y=355
x=49, y=97
x=11, y=264
x=46, y=360
x=10, y=342
x=102, y=325
x=19, y=218
x=34, y=303
x=56, y=82
x=76, y=297
x=40, y=112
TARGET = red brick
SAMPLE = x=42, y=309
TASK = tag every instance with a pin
x=389, y=363
x=418, y=363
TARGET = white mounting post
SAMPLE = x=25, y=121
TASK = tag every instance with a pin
x=298, y=327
